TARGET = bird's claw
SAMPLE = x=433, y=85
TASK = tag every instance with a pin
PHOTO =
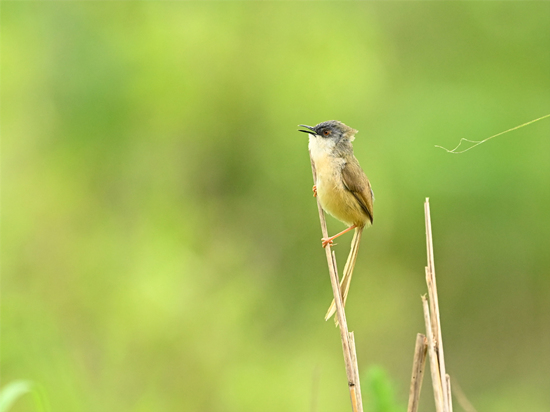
x=314, y=191
x=327, y=242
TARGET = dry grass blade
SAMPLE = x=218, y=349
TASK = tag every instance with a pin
x=356, y=368
x=478, y=142
x=440, y=379
x=419, y=362
x=348, y=345
x=434, y=365
x=434, y=309
x=448, y=390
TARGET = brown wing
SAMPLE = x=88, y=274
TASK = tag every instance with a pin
x=358, y=184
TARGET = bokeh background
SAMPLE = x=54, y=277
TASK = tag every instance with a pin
x=160, y=244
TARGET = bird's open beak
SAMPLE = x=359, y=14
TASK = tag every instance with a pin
x=310, y=129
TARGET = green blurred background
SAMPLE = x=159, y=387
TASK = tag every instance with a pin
x=160, y=244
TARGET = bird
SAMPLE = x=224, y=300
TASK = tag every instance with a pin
x=342, y=188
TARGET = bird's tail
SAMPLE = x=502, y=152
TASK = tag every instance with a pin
x=348, y=272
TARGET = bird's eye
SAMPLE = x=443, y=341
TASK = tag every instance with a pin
x=326, y=132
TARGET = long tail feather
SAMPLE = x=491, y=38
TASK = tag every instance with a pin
x=348, y=272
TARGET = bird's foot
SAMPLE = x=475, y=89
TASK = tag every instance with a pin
x=314, y=191
x=327, y=242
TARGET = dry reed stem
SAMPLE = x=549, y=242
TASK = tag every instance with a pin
x=433, y=329
x=419, y=362
x=356, y=367
x=448, y=389
x=352, y=371
x=434, y=365
x=440, y=379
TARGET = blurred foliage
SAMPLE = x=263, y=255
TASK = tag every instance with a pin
x=160, y=244
x=380, y=392
x=16, y=389
x=11, y=392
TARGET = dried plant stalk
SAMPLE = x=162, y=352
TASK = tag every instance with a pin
x=433, y=328
x=348, y=345
x=356, y=368
x=448, y=390
x=434, y=302
x=440, y=379
x=419, y=362
x=434, y=366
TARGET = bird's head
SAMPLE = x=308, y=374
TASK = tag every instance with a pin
x=332, y=129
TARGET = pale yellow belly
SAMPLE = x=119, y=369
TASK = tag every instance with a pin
x=335, y=198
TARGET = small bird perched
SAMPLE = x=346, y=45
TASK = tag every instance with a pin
x=342, y=188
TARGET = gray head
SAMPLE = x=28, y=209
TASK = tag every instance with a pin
x=332, y=129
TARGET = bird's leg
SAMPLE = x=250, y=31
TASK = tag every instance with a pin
x=328, y=241
x=314, y=191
